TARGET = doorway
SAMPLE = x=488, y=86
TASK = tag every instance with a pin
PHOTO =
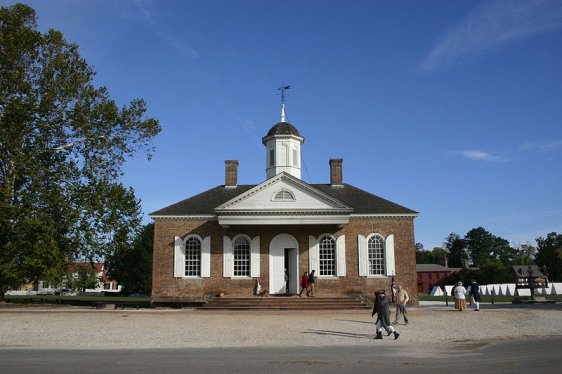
x=283, y=254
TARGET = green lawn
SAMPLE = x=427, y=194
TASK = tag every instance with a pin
x=75, y=299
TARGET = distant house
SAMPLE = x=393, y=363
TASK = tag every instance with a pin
x=428, y=275
x=526, y=275
x=103, y=284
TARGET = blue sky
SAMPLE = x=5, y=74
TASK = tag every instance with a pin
x=451, y=108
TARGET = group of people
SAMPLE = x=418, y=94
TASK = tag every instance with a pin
x=308, y=282
x=381, y=306
x=459, y=293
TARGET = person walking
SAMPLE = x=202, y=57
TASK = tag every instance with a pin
x=304, y=283
x=381, y=307
x=311, y=284
x=459, y=293
x=475, y=294
x=402, y=299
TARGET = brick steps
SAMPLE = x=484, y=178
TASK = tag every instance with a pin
x=285, y=303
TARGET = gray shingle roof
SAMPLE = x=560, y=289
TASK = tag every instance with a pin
x=361, y=201
x=283, y=128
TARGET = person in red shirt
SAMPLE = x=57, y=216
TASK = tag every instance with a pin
x=304, y=283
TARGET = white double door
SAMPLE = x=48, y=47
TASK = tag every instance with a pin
x=283, y=254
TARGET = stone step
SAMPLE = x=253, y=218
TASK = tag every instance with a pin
x=284, y=303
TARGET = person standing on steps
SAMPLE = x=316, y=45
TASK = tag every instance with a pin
x=304, y=283
x=401, y=301
x=311, y=283
x=381, y=307
x=286, y=282
x=475, y=294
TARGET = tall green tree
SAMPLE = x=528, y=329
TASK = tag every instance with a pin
x=525, y=255
x=63, y=143
x=549, y=256
x=131, y=266
x=436, y=256
x=82, y=276
x=455, y=245
x=484, y=247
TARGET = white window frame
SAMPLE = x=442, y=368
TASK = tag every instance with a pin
x=249, y=241
x=179, y=257
x=363, y=255
x=339, y=255
x=383, y=253
x=228, y=256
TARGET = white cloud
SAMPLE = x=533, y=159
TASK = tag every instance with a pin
x=550, y=145
x=151, y=19
x=479, y=156
x=492, y=24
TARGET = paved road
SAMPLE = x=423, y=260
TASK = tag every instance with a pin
x=537, y=355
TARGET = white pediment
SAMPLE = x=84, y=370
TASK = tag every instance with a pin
x=283, y=199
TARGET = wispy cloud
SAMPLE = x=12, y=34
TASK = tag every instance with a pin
x=249, y=128
x=151, y=20
x=480, y=156
x=492, y=24
x=549, y=145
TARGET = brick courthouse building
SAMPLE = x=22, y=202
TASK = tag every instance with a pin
x=222, y=239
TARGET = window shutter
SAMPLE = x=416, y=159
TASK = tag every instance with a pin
x=228, y=257
x=255, y=257
x=313, y=254
x=389, y=255
x=363, y=256
x=340, y=250
x=206, y=257
x=179, y=258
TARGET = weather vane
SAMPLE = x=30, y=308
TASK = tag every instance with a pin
x=283, y=114
x=283, y=89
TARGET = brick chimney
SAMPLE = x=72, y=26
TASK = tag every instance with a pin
x=231, y=173
x=336, y=172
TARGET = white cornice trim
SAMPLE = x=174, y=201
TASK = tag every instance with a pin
x=208, y=217
x=284, y=220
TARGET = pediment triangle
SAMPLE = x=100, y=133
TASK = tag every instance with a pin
x=263, y=197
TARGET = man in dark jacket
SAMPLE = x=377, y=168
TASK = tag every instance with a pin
x=475, y=294
x=311, y=283
x=381, y=307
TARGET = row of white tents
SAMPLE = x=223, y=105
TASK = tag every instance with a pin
x=508, y=289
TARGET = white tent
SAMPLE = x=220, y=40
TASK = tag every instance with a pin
x=556, y=288
x=510, y=289
x=523, y=292
x=448, y=289
x=483, y=290
x=436, y=291
x=539, y=290
x=502, y=290
x=547, y=290
x=493, y=288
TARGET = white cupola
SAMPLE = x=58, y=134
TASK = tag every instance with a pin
x=283, y=148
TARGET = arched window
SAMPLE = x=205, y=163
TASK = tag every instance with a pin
x=192, y=257
x=375, y=248
x=327, y=256
x=284, y=195
x=241, y=257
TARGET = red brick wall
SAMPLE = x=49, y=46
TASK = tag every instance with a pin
x=166, y=287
